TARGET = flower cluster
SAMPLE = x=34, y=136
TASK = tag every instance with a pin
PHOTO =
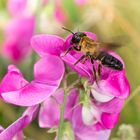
x=91, y=110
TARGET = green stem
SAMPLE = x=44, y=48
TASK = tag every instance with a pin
x=133, y=94
x=62, y=107
x=60, y=128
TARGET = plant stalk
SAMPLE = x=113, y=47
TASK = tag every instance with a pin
x=60, y=128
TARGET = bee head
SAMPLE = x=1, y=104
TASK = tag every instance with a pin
x=77, y=37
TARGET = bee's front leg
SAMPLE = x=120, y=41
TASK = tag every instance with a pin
x=85, y=57
x=67, y=51
x=81, y=58
x=72, y=48
x=77, y=48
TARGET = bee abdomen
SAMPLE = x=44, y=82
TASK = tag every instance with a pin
x=110, y=61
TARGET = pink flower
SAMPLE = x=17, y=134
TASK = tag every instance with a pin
x=59, y=11
x=73, y=115
x=17, y=38
x=17, y=7
x=52, y=106
x=97, y=115
x=81, y=2
x=92, y=112
x=48, y=73
x=52, y=44
x=88, y=132
x=15, y=129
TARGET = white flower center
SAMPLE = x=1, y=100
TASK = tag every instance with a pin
x=90, y=115
x=101, y=97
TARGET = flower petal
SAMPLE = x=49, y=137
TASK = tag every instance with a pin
x=84, y=132
x=49, y=115
x=17, y=46
x=16, y=7
x=82, y=69
x=1, y=128
x=78, y=124
x=22, y=27
x=29, y=95
x=20, y=124
x=90, y=115
x=109, y=120
x=13, y=80
x=101, y=97
x=113, y=106
x=44, y=44
x=50, y=111
x=95, y=135
x=115, y=84
x=49, y=70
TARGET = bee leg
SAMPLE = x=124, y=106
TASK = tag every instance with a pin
x=94, y=70
x=81, y=58
x=99, y=70
x=86, y=57
x=67, y=51
x=76, y=48
x=72, y=48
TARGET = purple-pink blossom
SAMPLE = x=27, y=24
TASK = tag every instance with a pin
x=91, y=111
x=17, y=7
x=108, y=96
x=17, y=38
x=48, y=73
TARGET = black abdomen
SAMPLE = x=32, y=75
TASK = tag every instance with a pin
x=110, y=61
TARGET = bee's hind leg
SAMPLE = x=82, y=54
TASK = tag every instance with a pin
x=94, y=70
x=99, y=70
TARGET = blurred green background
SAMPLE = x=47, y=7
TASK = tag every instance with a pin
x=106, y=18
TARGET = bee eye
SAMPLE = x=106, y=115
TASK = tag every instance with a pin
x=78, y=38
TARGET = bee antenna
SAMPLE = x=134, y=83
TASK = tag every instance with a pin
x=68, y=30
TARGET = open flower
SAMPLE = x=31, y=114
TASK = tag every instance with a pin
x=17, y=37
x=102, y=112
x=74, y=127
x=17, y=7
x=15, y=129
x=48, y=73
x=52, y=44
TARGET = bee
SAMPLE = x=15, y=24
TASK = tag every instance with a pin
x=93, y=50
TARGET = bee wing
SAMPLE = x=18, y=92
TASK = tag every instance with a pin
x=108, y=45
x=112, y=43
